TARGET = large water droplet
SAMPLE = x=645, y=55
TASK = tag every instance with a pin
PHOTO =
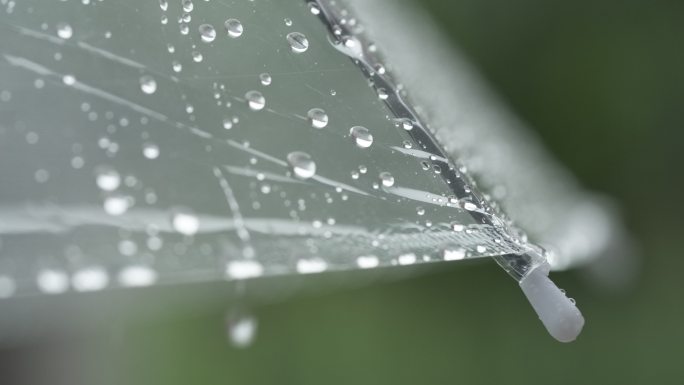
x=255, y=100
x=302, y=165
x=185, y=222
x=207, y=33
x=362, y=137
x=147, y=84
x=234, y=27
x=317, y=117
x=298, y=42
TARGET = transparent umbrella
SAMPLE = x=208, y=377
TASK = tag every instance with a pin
x=161, y=143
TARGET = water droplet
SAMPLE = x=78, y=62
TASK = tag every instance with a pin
x=64, y=30
x=241, y=329
x=107, y=179
x=420, y=211
x=234, y=27
x=454, y=255
x=481, y=248
x=288, y=22
x=52, y=281
x=69, y=80
x=137, y=276
x=164, y=5
x=207, y=33
x=407, y=259
x=362, y=137
x=457, y=227
x=265, y=79
x=188, y=6
x=298, y=42
x=311, y=265
x=116, y=205
x=147, y=84
x=367, y=262
x=255, y=100
x=468, y=205
x=386, y=179
x=244, y=269
x=185, y=222
x=227, y=123
x=382, y=94
x=302, y=165
x=317, y=117
x=197, y=57
x=405, y=123
x=177, y=66
x=90, y=279
x=314, y=9
x=150, y=151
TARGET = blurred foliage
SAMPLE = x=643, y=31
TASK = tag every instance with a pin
x=602, y=84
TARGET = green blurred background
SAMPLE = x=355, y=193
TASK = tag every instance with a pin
x=602, y=83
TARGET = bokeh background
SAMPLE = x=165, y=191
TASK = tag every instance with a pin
x=602, y=83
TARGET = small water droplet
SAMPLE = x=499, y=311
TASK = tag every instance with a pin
x=317, y=117
x=151, y=151
x=177, y=66
x=314, y=9
x=242, y=329
x=197, y=57
x=265, y=79
x=107, y=179
x=90, y=279
x=362, y=137
x=457, y=227
x=207, y=33
x=382, y=93
x=188, y=6
x=405, y=123
x=234, y=27
x=481, y=248
x=302, y=165
x=164, y=5
x=255, y=100
x=116, y=205
x=147, y=84
x=386, y=179
x=288, y=22
x=420, y=211
x=64, y=30
x=227, y=123
x=298, y=42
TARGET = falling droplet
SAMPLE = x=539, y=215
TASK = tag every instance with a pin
x=207, y=33
x=386, y=179
x=185, y=222
x=234, y=27
x=302, y=165
x=147, y=84
x=64, y=30
x=255, y=100
x=298, y=42
x=362, y=137
x=317, y=117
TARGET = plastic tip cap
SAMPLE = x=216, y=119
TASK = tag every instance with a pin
x=558, y=313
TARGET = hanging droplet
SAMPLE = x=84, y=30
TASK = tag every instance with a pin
x=317, y=117
x=234, y=27
x=302, y=165
x=265, y=79
x=298, y=42
x=148, y=85
x=362, y=137
x=207, y=33
x=185, y=222
x=64, y=30
x=386, y=179
x=255, y=100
